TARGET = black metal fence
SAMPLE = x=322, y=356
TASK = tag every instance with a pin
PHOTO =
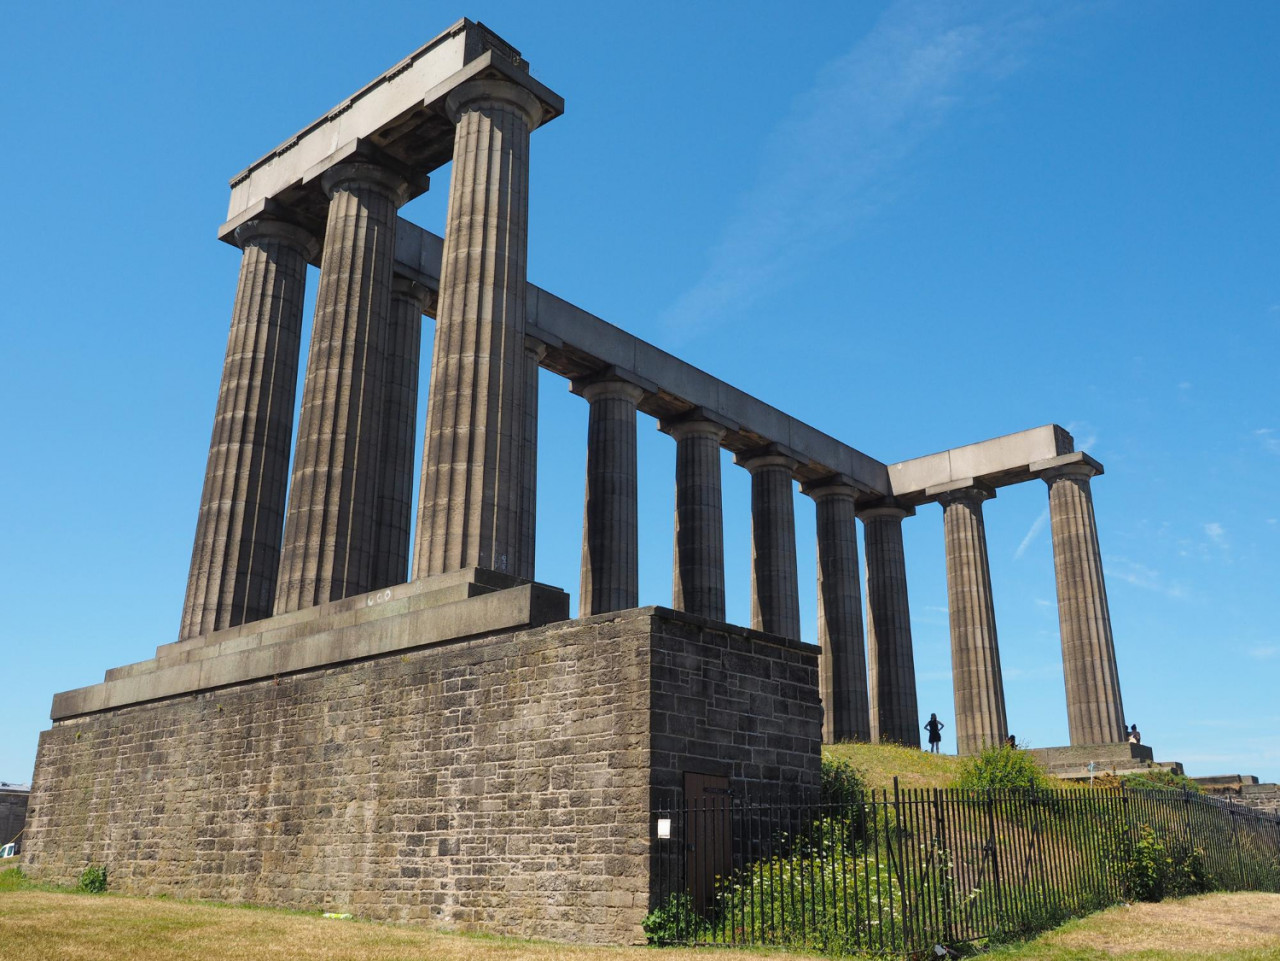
x=899, y=872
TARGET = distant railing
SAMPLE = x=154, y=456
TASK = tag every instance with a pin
x=902, y=871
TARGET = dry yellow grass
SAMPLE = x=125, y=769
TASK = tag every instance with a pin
x=880, y=763
x=1223, y=927
x=40, y=926
x=43, y=926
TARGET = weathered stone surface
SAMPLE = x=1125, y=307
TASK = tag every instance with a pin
x=975, y=653
x=526, y=566
x=698, y=568
x=237, y=546
x=13, y=815
x=503, y=783
x=1095, y=712
x=895, y=717
x=471, y=503
x=394, y=515
x=610, y=522
x=775, y=592
x=329, y=533
x=842, y=674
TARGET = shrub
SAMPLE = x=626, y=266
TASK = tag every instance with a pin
x=1157, y=778
x=673, y=921
x=841, y=782
x=1152, y=867
x=93, y=880
x=1002, y=768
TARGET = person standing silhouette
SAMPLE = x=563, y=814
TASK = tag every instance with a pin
x=934, y=727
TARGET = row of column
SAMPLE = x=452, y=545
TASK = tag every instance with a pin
x=887, y=709
x=1095, y=711
x=610, y=557
x=349, y=497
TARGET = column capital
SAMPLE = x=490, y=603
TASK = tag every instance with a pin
x=535, y=348
x=493, y=90
x=611, y=388
x=836, y=485
x=698, y=422
x=885, y=507
x=255, y=231
x=425, y=296
x=616, y=382
x=1077, y=464
x=967, y=491
x=771, y=455
x=366, y=173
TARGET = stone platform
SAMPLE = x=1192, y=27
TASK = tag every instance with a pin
x=1243, y=789
x=498, y=779
x=1072, y=763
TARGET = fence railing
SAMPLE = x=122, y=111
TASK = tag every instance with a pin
x=902, y=871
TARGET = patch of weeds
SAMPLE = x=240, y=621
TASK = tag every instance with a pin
x=93, y=880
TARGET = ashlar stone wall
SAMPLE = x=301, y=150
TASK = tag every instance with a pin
x=13, y=815
x=502, y=783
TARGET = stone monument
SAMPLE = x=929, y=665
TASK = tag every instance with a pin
x=336, y=727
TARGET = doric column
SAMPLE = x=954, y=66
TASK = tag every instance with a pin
x=237, y=546
x=895, y=717
x=698, y=566
x=333, y=497
x=533, y=354
x=842, y=667
x=610, y=525
x=775, y=595
x=975, y=655
x=470, y=509
x=409, y=301
x=1095, y=712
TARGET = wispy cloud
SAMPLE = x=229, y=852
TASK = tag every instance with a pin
x=1084, y=434
x=825, y=165
x=1139, y=575
x=1264, y=652
x=1269, y=438
x=1215, y=532
x=1033, y=532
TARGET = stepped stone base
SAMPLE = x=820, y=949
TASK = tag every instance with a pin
x=1072, y=763
x=1244, y=789
x=497, y=779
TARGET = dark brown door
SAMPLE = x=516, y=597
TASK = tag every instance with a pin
x=708, y=834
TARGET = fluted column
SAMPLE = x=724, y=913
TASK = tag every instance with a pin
x=775, y=594
x=895, y=717
x=1095, y=713
x=237, y=545
x=975, y=654
x=698, y=568
x=409, y=301
x=471, y=503
x=842, y=666
x=333, y=498
x=533, y=354
x=610, y=524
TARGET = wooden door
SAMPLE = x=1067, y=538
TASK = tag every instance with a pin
x=708, y=834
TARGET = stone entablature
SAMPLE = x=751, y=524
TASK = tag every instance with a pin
x=501, y=783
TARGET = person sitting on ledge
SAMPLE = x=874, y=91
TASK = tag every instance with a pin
x=1135, y=737
x=934, y=727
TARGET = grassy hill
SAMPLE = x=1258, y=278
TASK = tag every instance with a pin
x=880, y=763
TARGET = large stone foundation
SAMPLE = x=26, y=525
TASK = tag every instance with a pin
x=500, y=782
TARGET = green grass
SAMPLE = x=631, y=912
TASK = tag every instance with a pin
x=878, y=764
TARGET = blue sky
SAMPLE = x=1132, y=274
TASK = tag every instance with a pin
x=913, y=225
